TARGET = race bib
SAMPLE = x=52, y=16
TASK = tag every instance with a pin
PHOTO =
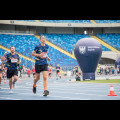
x=14, y=60
x=45, y=55
x=0, y=67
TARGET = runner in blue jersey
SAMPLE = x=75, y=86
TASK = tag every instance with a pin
x=41, y=65
x=13, y=60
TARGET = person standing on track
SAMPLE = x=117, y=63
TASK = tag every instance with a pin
x=41, y=65
x=13, y=60
x=58, y=72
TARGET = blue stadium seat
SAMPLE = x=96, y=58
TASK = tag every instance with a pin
x=107, y=21
x=74, y=21
x=66, y=21
x=65, y=41
x=25, y=44
x=60, y=21
x=112, y=39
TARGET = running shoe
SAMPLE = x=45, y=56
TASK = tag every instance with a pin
x=10, y=91
x=45, y=93
x=34, y=89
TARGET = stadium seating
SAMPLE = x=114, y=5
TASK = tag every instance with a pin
x=74, y=21
x=61, y=21
x=112, y=39
x=107, y=21
x=60, y=58
x=65, y=41
x=25, y=44
x=105, y=48
x=27, y=20
x=66, y=21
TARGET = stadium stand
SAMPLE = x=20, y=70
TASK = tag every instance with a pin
x=112, y=39
x=107, y=21
x=25, y=44
x=66, y=21
x=74, y=21
x=65, y=41
x=28, y=20
x=59, y=21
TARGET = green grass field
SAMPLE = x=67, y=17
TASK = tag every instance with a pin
x=102, y=81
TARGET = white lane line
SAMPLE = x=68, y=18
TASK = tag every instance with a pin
x=8, y=98
x=79, y=93
x=4, y=88
x=68, y=98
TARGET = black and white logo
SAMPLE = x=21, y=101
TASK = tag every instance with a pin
x=82, y=49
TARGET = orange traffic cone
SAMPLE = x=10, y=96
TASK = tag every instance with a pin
x=5, y=81
x=111, y=91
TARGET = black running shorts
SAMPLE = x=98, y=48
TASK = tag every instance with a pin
x=40, y=68
x=11, y=73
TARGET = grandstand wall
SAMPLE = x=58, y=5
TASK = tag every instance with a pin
x=63, y=30
x=112, y=30
x=36, y=28
x=110, y=55
x=45, y=24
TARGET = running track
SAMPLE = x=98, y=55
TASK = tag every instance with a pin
x=61, y=89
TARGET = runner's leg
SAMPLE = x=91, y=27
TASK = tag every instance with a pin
x=46, y=92
x=45, y=80
x=37, y=78
x=35, y=82
x=10, y=83
x=15, y=80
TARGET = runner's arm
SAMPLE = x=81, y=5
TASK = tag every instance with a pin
x=37, y=55
x=19, y=61
x=48, y=58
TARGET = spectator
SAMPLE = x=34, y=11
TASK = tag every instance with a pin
x=112, y=70
x=117, y=70
x=33, y=71
x=49, y=73
x=28, y=72
x=76, y=70
x=105, y=71
x=73, y=71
